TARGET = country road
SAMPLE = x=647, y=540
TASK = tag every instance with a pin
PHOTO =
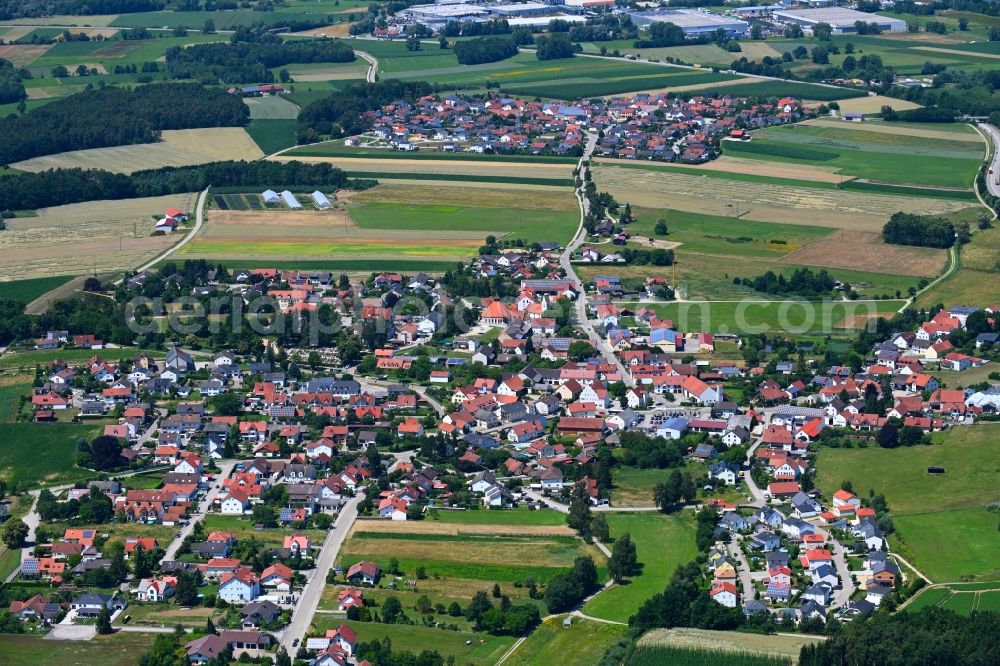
x=991, y=178
x=199, y=219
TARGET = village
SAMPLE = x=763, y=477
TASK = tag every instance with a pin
x=660, y=127
x=233, y=479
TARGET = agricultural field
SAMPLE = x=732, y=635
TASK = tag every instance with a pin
x=272, y=134
x=942, y=525
x=340, y=71
x=783, y=645
x=84, y=237
x=386, y=162
x=407, y=222
x=177, y=148
x=502, y=553
x=271, y=107
x=552, y=643
x=25, y=291
x=20, y=459
x=662, y=543
x=786, y=203
x=874, y=156
x=962, y=600
x=865, y=248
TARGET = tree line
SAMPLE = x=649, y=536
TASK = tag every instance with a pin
x=803, y=282
x=345, y=112
x=113, y=116
x=10, y=9
x=484, y=49
x=909, y=229
x=251, y=61
x=63, y=186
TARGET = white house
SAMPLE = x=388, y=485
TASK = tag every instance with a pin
x=239, y=587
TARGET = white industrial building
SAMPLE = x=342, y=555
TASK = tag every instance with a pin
x=692, y=21
x=290, y=200
x=440, y=14
x=321, y=200
x=541, y=22
x=521, y=9
x=841, y=19
x=270, y=197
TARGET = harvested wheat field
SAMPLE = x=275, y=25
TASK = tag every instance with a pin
x=958, y=134
x=178, y=148
x=271, y=107
x=743, y=165
x=874, y=104
x=334, y=30
x=856, y=211
x=346, y=71
x=434, y=527
x=77, y=238
x=450, y=167
x=861, y=250
x=21, y=55
x=482, y=195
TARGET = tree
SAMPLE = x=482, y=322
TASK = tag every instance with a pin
x=579, y=350
x=15, y=531
x=822, y=31
x=477, y=608
x=963, y=24
x=454, y=609
x=413, y=43
x=599, y=528
x=104, y=622
x=424, y=605
x=282, y=658
x=661, y=227
x=106, y=453
x=92, y=284
x=888, y=436
x=579, y=517
x=667, y=493
x=186, y=591
x=554, y=46
x=209, y=27
x=623, y=558
x=391, y=610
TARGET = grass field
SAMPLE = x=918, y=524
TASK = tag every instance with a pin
x=244, y=529
x=485, y=650
x=942, y=525
x=35, y=453
x=794, y=317
x=11, y=390
x=178, y=148
x=662, y=544
x=338, y=149
x=519, y=516
x=27, y=360
x=271, y=107
x=377, y=163
x=116, y=650
x=25, y=291
x=551, y=643
x=958, y=600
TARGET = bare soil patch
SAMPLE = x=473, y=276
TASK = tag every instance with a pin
x=21, y=55
x=865, y=251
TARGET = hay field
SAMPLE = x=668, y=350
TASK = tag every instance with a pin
x=453, y=529
x=178, y=148
x=74, y=239
x=271, y=107
x=874, y=104
x=762, y=202
x=451, y=167
x=334, y=30
x=21, y=55
x=866, y=250
x=99, y=20
x=743, y=165
x=785, y=645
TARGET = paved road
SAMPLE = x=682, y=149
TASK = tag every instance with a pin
x=226, y=467
x=582, y=314
x=991, y=179
x=372, y=74
x=746, y=580
x=309, y=599
x=198, y=220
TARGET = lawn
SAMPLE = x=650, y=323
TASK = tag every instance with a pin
x=752, y=316
x=244, y=529
x=582, y=643
x=29, y=359
x=633, y=486
x=25, y=291
x=942, y=525
x=485, y=650
x=115, y=650
x=36, y=453
x=662, y=544
x=529, y=225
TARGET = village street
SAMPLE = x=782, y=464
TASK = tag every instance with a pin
x=226, y=467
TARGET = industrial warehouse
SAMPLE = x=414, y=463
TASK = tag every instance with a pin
x=842, y=20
